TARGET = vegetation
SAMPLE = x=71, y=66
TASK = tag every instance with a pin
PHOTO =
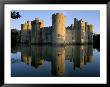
x=96, y=41
x=15, y=36
x=15, y=15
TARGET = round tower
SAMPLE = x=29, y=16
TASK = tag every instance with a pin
x=59, y=31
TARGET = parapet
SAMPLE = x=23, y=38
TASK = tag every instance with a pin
x=90, y=27
x=36, y=18
x=26, y=26
x=58, y=15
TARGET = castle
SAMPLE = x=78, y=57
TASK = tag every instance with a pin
x=36, y=33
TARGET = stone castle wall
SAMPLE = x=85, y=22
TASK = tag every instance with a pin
x=35, y=32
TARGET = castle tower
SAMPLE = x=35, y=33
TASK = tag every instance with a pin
x=80, y=31
x=86, y=26
x=25, y=32
x=28, y=25
x=83, y=31
x=90, y=33
x=59, y=31
x=91, y=28
x=72, y=26
x=77, y=31
x=82, y=25
x=25, y=26
x=35, y=28
x=86, y=34
x=36, y=33
x=41, y=24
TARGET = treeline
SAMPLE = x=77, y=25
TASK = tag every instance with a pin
x=15, y=36
x=96, y=41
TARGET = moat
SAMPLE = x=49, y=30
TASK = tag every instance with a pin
x=55, y=61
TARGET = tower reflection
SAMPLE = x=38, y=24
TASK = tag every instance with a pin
x=58, y=61
x=36, y=56
x=26, y=55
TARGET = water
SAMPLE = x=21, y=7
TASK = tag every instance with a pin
x=55, y=61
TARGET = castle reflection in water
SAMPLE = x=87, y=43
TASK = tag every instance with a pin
x=78, y=55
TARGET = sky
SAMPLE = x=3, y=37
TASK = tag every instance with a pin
x=90, y=16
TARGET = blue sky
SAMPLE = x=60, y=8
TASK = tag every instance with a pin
x=91, y=16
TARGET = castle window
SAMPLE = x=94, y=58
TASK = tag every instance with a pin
x=39, y=23
x=58, y=35
x=58, y=54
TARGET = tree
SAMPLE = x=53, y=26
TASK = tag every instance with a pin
x=15, y=36
x=15, y=15
x=96, y=41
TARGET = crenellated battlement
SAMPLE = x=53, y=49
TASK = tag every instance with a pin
x=35, y=31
